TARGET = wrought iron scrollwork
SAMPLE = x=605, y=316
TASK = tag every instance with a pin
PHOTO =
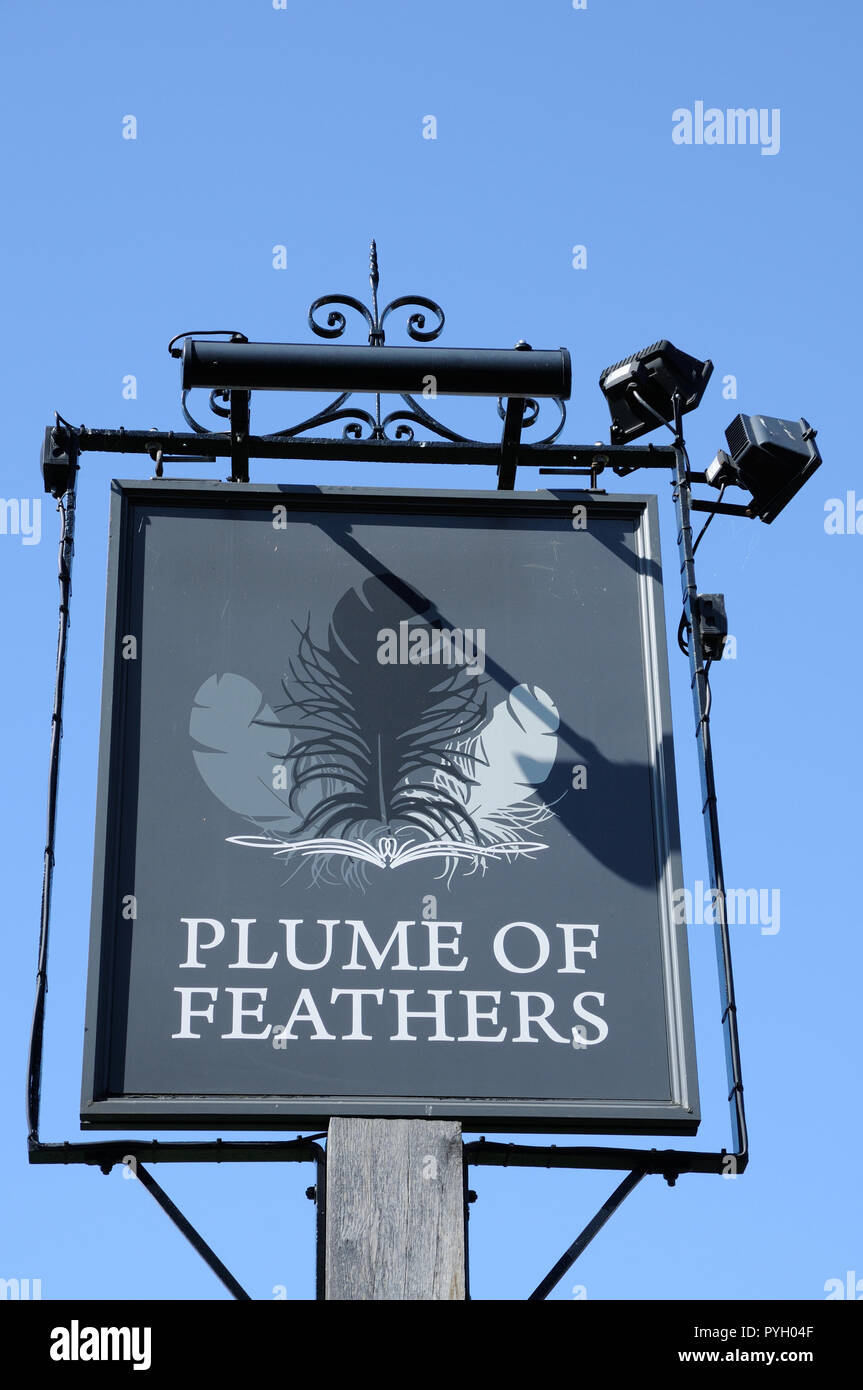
x=336, y=321
x=334, y=326
x=417, y=416
x=327, y=319
x=532, y=410
x=216, y=409
x=416, y=328
x=235, y=337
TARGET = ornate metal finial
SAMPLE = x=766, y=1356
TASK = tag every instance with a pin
x=376, y=334
x=336, y=323
x=374, y=277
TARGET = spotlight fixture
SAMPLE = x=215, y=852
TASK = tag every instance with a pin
x=720, y=472
x=770, y=458
x=639, y=389
x=59, y=461
x=712, y=622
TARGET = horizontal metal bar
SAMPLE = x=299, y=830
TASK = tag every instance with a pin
x=333, y=367
x=122, y=441
x=721, y=508
x=107, y=1153
x=668, y=1162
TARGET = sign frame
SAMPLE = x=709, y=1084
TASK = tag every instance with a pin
x=678, y=1116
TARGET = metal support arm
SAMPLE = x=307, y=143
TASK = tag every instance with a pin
x=701, y=706
x=509, y=444
x=569, y=1257
x=195, y=1239
x=187, y=446
x=240, y=436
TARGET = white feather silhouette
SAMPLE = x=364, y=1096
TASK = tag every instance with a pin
x=244, y=765
x=511, y=757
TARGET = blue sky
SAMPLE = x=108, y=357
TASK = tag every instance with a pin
x=302, y=128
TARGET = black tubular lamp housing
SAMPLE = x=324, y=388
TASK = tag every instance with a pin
x=640, y=388
x=509, y=372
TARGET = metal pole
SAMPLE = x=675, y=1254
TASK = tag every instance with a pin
x=318, y=449
x=701, y=705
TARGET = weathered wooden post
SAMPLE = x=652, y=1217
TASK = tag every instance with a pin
x=395, y=1226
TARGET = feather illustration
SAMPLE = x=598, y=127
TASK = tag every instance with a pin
x=509, y=759
x=370, y=736
x=246, y=747
x=383, y=753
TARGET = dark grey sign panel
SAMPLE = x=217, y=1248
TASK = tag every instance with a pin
x=387, y=819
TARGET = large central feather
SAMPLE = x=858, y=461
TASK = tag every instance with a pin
x=370, y=736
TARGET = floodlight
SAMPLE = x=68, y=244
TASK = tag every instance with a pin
x=59, y=462
x=720, y=472
x=640, y=388
x=771, y=458
x=712, y=622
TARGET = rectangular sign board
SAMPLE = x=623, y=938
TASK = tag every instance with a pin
x=387, y=817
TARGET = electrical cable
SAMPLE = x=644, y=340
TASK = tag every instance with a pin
x=639, y=400
x=698, y=538
x=207, y=333
x=684, y=647
x=66, y=507
x=682, y=626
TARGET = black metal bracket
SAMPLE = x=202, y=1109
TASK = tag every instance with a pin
x=698, y=504
x=668, y=1163
x=551, y=459
x=240, y=436
x=512, y=426
x=132, y=1154
x=107, y=1153
x=194, y=1237
x=622, y=458
x=580, y=1244
x=592, y=471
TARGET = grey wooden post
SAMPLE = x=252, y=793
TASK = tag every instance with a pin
x=395, y=1215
